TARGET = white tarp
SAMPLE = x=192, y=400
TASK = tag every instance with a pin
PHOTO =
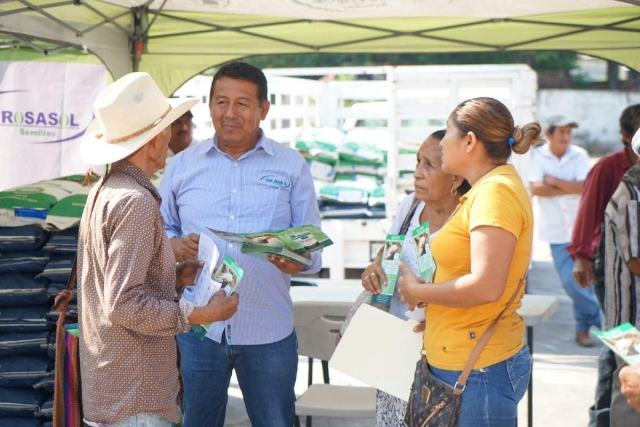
x=44, y=110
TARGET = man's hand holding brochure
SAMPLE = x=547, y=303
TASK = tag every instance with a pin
x=288, y=249
x=208, y=283
x=291, y=243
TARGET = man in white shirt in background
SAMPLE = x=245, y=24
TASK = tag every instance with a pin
x=557, y=174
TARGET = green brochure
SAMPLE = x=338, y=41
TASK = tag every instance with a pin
x=422, y=240
x=390, y=257
x=289, y=243
x=624, y=340
x=228, y=275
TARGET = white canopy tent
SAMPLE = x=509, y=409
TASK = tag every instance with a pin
x=176, y=39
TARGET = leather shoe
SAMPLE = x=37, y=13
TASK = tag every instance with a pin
x=583, y=339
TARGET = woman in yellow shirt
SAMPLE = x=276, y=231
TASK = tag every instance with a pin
x=481, y=255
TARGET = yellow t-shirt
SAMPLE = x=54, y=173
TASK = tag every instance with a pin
x=499, y=199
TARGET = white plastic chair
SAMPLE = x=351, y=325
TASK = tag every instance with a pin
x=317, y=324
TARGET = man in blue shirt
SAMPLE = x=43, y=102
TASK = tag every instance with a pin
x=241, y=181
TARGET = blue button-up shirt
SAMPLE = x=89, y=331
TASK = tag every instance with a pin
x=267, y=188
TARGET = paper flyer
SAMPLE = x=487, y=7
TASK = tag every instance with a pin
x=390, y=257
x=204, y=287
x=623, y=340
x=389, y=367
x=422, y=240
x=228, y=275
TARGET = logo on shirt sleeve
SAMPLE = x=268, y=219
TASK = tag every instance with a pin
x=274, y=181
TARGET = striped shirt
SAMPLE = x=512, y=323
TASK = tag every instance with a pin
x=622, y=240
x=268, y=188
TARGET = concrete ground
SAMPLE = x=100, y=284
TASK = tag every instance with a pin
x=564, y=375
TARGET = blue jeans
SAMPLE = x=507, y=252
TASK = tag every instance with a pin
x=585, y=308
x=491, y=396
x=266, y=375
x=144, y=420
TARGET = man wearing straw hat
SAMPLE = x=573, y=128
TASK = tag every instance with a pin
x=127, y=279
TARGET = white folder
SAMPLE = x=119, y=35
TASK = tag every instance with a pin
x=380, y=350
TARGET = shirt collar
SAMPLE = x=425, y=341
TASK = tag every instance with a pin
x=136, y=173
x=623, y=160
x=500, y=170
x=263, y=143
x=546, y=151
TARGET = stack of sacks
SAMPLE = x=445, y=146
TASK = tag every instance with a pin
x=35, y=265
x=359, y=180
x=349, y=170
x=26, y=372
x=58, y=202
x=319, y=146
x=61, y=249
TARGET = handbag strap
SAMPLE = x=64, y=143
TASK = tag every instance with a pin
x=405, y=224
x=462, y=380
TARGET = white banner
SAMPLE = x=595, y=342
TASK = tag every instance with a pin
x=45, y=109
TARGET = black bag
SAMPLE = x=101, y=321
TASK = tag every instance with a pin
x=598, y=259
x=434, y=403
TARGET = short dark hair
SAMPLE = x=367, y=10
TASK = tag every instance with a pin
x=243, y=71
x=629, y=118
x=439, y=134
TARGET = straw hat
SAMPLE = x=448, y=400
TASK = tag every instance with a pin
x=130, y=112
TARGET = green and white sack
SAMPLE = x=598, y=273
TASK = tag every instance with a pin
x=30, y=204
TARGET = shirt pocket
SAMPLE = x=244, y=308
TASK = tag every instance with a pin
x=273, y=205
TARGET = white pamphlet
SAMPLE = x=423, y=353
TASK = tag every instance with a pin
x=380, y=350
x=204, y=286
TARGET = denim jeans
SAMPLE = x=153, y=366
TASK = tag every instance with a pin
x=491, y=396
x=585, y=308
x=266, y=375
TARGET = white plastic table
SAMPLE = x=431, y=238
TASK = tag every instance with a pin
x=535, y=310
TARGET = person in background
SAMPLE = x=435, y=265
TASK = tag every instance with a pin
x=240, y=181
x=438, y=193
x=482, y=255
x=599, y=186
x=557, y=174
x=127, y=298
x=622, y=278
x=181, y=134
x=181, y=139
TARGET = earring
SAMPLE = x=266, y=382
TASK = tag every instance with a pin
x=454, y=192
